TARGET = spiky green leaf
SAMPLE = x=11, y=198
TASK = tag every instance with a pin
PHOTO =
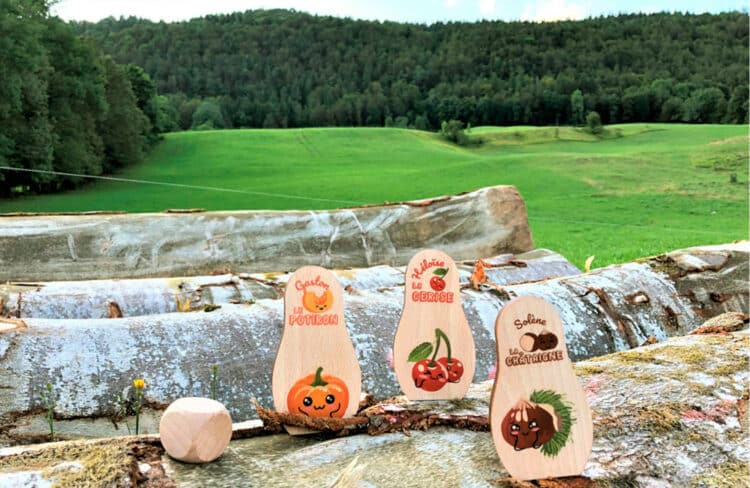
x=565, y=411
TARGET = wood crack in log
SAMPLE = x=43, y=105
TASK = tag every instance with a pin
x=680, y=265
x=724, y=324
x=672, y=321
x=201, y=288
x=113, y=310
x=610, y=310
x=278, y=288
x=16, y=312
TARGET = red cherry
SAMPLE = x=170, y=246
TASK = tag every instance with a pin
x=429, y=375
x=437, y=283
x=454, y=368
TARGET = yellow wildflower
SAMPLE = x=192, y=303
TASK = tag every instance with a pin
x=139, y=384
x=182, y=306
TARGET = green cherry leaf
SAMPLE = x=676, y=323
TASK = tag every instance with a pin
x=441, y=271
x=420, y=352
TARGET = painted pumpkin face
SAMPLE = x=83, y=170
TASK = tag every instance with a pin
x=528, y=425
x=317, y=304
x=318, y=395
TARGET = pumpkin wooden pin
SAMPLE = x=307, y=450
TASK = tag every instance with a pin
x=433, y=351
x=316, y=372
x=539, y=416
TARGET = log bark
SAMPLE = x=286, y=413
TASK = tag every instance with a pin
x=94, y=299
x=90, y=361
x=669, y=414
x=485, y=222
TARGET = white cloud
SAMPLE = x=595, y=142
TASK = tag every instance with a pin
x=552, y=10
x=450, y=3
x=487, y=7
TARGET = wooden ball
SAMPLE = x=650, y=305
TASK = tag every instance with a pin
x=195, y=430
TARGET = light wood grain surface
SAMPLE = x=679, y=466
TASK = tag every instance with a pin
x=315, y=336
x=433, y=301
x=533, y=364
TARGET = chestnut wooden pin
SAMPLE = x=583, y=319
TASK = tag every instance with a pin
x=539, y=416
x=433, y=351
x=316, y=372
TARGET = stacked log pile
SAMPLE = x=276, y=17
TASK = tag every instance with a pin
x=91, y=361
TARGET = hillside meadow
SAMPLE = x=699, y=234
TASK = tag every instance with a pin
x=639, y=189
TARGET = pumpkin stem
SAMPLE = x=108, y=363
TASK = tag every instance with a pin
x=318, y=380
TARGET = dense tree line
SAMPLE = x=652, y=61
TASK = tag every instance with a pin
x=279, y=68
x=64, y=106
x=74, y=98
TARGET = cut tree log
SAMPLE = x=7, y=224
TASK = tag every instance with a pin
x=149, y=296
x=485, y=222
x=668, y=414
x=90, y=361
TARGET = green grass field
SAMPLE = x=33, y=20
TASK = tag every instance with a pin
x=639, y=190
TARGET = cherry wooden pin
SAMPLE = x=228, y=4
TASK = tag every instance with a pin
x=316, y=372
x=539, y=416
x=433, y=351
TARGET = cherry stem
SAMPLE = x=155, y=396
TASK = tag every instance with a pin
x=439, y=333
x=437, y=348
x=318, y=380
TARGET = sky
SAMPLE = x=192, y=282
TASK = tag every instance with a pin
x=415, y=11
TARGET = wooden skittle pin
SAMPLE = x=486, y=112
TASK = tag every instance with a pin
x=540, y=419
x=316, y=372
x=433, y=351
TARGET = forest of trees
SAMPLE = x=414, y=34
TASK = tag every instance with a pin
x=279, y=68
x=64, y=106
x=90, y=98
